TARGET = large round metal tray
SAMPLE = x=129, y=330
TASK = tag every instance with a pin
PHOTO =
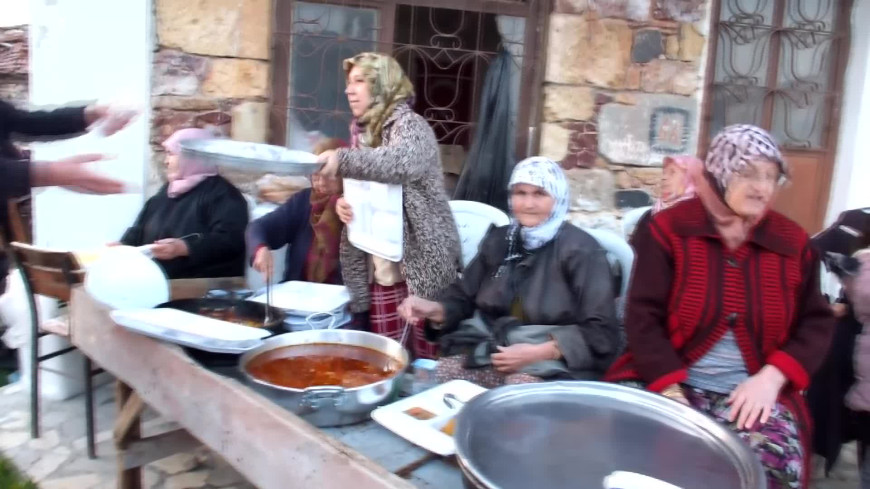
x=574, y=434
x=251, y=157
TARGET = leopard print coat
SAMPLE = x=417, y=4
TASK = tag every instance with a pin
x=409, y=156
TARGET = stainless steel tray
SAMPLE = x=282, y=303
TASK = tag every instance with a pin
x=573, y=434
x=251, y=157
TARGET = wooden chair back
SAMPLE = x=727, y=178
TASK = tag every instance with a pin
x=18, y=230
x=47, y=272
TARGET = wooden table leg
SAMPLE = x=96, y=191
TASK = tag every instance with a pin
x=127, y=429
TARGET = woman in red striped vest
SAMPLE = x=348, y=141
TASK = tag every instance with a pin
x=725, y=312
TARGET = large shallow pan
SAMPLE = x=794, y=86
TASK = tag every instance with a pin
x=562, y=435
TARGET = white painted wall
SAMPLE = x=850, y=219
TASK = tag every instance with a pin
x=14, y=12
x=83, y=51
x=849, y=188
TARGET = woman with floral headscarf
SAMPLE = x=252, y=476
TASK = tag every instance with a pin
x=542, y=289
x=725, y=312
x=392, y=144
x=196, y=222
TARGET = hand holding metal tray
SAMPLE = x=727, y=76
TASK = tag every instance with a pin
x=250, y=157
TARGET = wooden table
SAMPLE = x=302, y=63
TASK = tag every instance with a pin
x=271, y=447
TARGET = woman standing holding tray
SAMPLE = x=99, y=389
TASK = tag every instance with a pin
x=392, y=144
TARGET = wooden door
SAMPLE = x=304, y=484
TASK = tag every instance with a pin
x=779, y=64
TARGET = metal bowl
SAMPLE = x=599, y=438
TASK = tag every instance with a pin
x=246, y=310
x=574, y=434
x=330, y=405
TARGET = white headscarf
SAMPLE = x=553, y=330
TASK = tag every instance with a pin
x=547, y=174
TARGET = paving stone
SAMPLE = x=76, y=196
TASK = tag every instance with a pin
x=190, y=480
x=80, y=443
x=47, y=441
x=15, y=420
x=48, y=464
x=87, y=481
x=13, y=439
x=24, y=459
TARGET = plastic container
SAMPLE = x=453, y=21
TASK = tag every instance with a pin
x=424, y=375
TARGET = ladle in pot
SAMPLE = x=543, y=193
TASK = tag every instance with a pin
x=268, y=318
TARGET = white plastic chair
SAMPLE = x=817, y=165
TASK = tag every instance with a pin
x=618, y=249
x=473, y=220
x=630, y=219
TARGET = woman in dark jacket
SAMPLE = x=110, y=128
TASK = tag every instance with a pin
x=307, y=223
x=834, y=423
x=196, y=222
x=725, y=312
x=542, y=287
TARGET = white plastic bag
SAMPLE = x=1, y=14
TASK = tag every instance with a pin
x=15, y=311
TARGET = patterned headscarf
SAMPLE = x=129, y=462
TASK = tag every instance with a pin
x=734, y=147
x=389, y=87
x=546, y=174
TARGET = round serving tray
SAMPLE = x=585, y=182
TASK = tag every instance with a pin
x=251, y=157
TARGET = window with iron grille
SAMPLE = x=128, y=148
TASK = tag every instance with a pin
x=445, y=48
x=778, y=64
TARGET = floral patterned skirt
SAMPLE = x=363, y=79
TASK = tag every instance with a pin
x=777, y=443
x=452, y=368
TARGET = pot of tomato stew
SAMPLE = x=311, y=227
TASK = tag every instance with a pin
x=328, y=377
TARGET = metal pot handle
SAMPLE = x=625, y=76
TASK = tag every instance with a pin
x=322, y=396
x=331, y=315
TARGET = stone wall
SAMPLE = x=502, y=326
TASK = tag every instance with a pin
x=211, y=67
x=14, y=79
x=623, y=81
x=14, y=65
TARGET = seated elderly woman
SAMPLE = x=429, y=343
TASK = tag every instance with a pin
x=196, y=221
x=542, y=289
x=308, y=224
x=725, y=313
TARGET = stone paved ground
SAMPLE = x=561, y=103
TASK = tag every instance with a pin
x=58, y=459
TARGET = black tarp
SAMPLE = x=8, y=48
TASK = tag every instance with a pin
x=491, y=159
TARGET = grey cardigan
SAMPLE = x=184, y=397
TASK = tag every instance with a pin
x=409, y=156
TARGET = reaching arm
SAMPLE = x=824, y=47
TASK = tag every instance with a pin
x=67, y=121
x=412, y=150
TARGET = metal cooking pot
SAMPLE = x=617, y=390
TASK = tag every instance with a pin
x=330, y=405
x=574, y=434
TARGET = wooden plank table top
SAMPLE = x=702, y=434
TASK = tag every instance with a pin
x=271, y=447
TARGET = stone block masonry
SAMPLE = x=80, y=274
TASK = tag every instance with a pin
x=622, y=89
x=211, y=61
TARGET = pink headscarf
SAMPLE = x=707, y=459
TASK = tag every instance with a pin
x=690, y=166
x=191, y=172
